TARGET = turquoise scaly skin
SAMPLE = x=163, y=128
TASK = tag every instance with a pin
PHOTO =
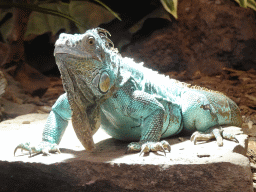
x=130, y=102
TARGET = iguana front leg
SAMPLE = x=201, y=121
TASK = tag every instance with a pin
x=151, y=112
x=55, y=127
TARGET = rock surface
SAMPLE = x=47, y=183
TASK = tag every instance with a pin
x=188, y=167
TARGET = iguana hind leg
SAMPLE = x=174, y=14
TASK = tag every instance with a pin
x=206, y=112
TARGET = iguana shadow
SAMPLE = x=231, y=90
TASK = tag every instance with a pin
x=109, y=149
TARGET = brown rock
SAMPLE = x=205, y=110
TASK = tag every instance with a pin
x=188, y=167
x=32, y=81
x=12, y=109
x=207, y=37
x=4, y=51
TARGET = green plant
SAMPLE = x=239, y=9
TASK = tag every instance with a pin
x=43, y=15
x=247, y=3
x=171, y=6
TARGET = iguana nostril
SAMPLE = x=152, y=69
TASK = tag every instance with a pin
x=62, y=36
x=70, y=44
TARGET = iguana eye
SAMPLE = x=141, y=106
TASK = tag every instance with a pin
x=91, y=40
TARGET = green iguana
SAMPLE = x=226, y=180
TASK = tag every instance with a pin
x=128, y=101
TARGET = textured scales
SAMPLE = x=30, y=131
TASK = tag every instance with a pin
x=129, y=101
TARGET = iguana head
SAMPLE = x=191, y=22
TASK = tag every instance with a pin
x=88, y=60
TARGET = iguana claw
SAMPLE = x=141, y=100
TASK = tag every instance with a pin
x=146, y=147
x=24, y=146
x=44, y=147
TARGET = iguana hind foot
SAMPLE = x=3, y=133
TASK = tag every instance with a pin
x=212, y=133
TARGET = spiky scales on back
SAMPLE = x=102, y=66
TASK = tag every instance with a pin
x=133, y=67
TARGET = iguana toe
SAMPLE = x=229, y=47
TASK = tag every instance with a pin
x=24, y=146
x=133, y=147
x=198, y=136
x=44, y=147
x=166, y=145
x=230, y=136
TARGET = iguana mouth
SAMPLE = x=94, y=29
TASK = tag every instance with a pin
x=71, y=53
x=73, y=57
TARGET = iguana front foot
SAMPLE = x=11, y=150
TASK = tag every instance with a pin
x=44, y=147
x=146, y=147
x=216, y=133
